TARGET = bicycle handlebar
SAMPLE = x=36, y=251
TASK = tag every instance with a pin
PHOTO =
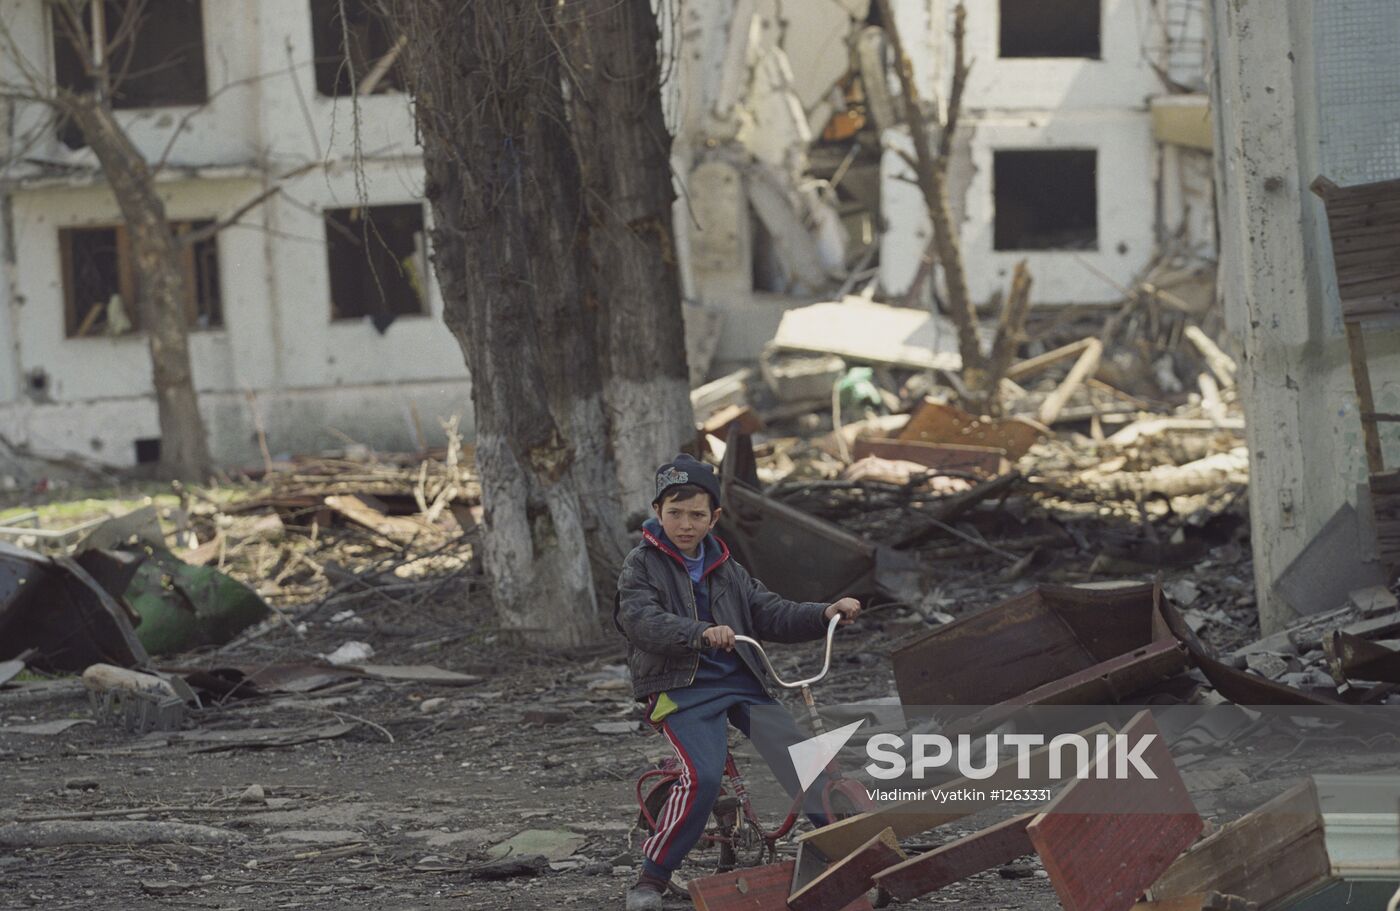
x=826, y=662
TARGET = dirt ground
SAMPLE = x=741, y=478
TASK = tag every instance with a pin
x=398, y=812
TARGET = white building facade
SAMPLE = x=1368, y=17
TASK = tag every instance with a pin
x=316, y=316
x=1056, y=160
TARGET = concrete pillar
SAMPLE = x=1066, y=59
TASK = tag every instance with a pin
x=1264, y=277
x=1279, y=293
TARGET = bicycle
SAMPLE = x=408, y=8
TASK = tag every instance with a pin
x=740, y=834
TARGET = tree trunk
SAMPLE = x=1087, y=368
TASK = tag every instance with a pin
x=184, y=447
x=509, y=248
x=623, y=148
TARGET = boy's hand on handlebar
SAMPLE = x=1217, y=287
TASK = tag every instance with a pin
x=720, y=637
x=848, y=608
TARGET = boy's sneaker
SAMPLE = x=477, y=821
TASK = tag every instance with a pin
x=646, y=895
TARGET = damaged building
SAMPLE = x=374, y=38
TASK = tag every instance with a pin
x=315, y=318
x=1072, y=154
x=1083, y=147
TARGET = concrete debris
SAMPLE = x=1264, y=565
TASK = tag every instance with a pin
x=551, y=844
x=350, y=653
x=856, y=330
x=96, y=832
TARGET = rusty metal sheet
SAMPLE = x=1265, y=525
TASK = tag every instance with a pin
x=936, y=422
x=1354, y=658
x=750, y=889
x=51, y=604
x=1231, y=682
x=1104, y=861
x=795, y=554
x=990, y=847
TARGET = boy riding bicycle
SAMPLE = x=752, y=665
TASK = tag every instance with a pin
x=681, y=600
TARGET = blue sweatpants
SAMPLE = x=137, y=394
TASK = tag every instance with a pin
x=698, y=731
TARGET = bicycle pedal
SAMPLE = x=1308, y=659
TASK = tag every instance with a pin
x=726, y=804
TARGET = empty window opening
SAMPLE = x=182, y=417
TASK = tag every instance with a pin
x=101, y=283
x=154, y=51
x=373, y=50
x=148, y=451
x=377, y=262
x=1051, y=28
x=1046, y=199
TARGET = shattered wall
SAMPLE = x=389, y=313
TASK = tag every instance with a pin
x=318, y=381
x=754, y=86
x=1279, y=70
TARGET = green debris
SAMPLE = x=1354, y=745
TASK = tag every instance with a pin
x=183, y=606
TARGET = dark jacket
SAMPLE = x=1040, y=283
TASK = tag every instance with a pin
x=656, y=612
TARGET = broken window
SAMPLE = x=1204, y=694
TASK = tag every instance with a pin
x=1046, y=199
x=1050, y=28
x=154, y=50
x=373, y=51
x=147, y=451
x=377, y=262
x=101, y=281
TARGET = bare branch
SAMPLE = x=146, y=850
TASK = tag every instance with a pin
x=191, y=238
x=955, y=95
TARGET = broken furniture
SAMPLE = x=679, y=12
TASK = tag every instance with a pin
x=1328, y=842
x=941, y=423
x=1052, y=645
x=1105, y=840
x=795, y=554
x=751, y=889
x=982, y=850
x=55, y=606
x=1364, y=221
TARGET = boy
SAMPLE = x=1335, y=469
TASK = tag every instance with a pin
x=681, y=601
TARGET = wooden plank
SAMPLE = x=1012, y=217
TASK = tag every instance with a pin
x=1033, y=365
x=957, y=860
x=398, y=529
x=1366, y=233
x=914, y=817
x=1268, y=854
x=1372, y=305
x=1361, y=379
x=750, y=889
x=1367, y=256
x=1354, y=288
x=1103, y=861
x=1083, y=368
x=850, y=878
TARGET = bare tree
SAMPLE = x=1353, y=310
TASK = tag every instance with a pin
x=981, y=372
x=104, y=49
x=613, y=74
x=546, y=168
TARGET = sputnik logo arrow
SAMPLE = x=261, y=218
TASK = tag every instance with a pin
x=811, y=756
